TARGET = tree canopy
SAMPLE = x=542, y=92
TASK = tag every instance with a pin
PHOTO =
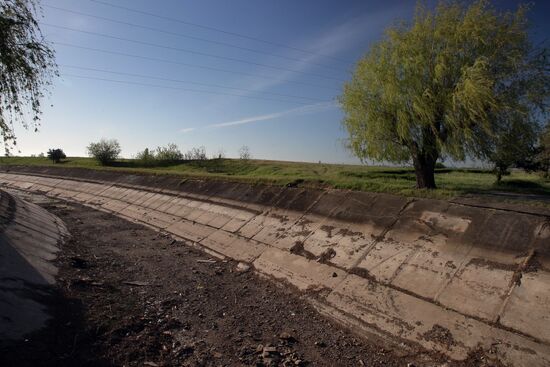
x=446, y=84
x=26, y=67
x=105, y=151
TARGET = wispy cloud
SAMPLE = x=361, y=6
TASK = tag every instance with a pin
x=331, y=43
x=186, y=130
x=303, y=110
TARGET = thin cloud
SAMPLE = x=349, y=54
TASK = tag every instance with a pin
x=332, y=43
x=187, y=130
x=312, y=108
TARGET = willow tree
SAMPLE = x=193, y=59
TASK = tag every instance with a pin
x=445, y=84
x=26, y=67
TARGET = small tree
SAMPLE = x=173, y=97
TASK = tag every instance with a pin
x=105, y=151
x=445, y=85
x=56, y=155
x=169, y=153
x=221, y=154
x=542, y=158
x=196, y=154
x=146, y=157
x=514, y=147
x=27, y=67
x=244, y=153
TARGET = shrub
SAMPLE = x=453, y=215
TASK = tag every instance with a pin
x=105, y=151
x=196, y=154
x=244, y=153
x=56, y=155
x=146, y=157
x=169, y=153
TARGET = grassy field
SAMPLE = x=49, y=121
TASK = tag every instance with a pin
x=401, y=181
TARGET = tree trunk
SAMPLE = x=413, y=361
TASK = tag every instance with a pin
x=424, y=168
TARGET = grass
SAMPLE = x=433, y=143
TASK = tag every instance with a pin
x=400, y=181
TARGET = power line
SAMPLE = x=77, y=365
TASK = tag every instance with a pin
x=188, y=51
x=116, y=21
x=174, y=88
x=189, y=65
x=186, y=82
x=217, y=30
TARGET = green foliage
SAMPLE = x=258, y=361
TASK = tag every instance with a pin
x=394, y=180
x=26, y=67
x=542, y=158
x=105, y=151
x=446, y=84
x=169, y=153
x=196, y=154
x=514, y=146
x=56, y=155
x=146, y=158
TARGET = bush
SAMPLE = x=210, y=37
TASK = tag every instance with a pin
x=56, y=155
x=244, y=153
x=196, y=154
x=105, y=151
x=169, y=153
x=146, y=157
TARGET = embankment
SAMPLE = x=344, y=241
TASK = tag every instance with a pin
x=451, y=277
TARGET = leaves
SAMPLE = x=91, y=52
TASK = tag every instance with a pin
x=27, y=67
x=447, y=83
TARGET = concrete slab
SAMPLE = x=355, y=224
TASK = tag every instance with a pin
x=385, y=258
x=253, y=226
x=386, y=310
x=114, y=192
x=234, y=246
x=180, y=208
x=143, y=198
x=346, y=244
x=237, y=222
x=27, y=249
x=190, y=231
x=528, y=309
x=131, y=196
x=157, y=200
x=297, y=270
x=158, y=219
x=430, y=268
x=478, y=289
x=196, y=213
x=115, y=206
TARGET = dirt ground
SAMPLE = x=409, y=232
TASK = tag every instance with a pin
x=130, y=296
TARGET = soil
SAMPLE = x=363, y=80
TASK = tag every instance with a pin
x=131, y=296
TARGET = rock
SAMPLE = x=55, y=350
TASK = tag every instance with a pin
x=270, y=349
x=242, y=267
x=287, y=337
x=148, y=363
x=136, y=283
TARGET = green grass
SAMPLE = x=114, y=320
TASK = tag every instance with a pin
x=400, y=181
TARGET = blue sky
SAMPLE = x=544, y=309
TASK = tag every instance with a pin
x=280, y=101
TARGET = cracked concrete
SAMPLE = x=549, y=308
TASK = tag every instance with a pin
x=397, y=267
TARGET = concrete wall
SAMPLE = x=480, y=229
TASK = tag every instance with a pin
x=390, y=264
x=29, y=239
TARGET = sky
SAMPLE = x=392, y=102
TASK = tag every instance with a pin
x=213, y=73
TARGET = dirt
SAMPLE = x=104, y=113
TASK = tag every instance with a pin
x=131, y=296
x=440, y=334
